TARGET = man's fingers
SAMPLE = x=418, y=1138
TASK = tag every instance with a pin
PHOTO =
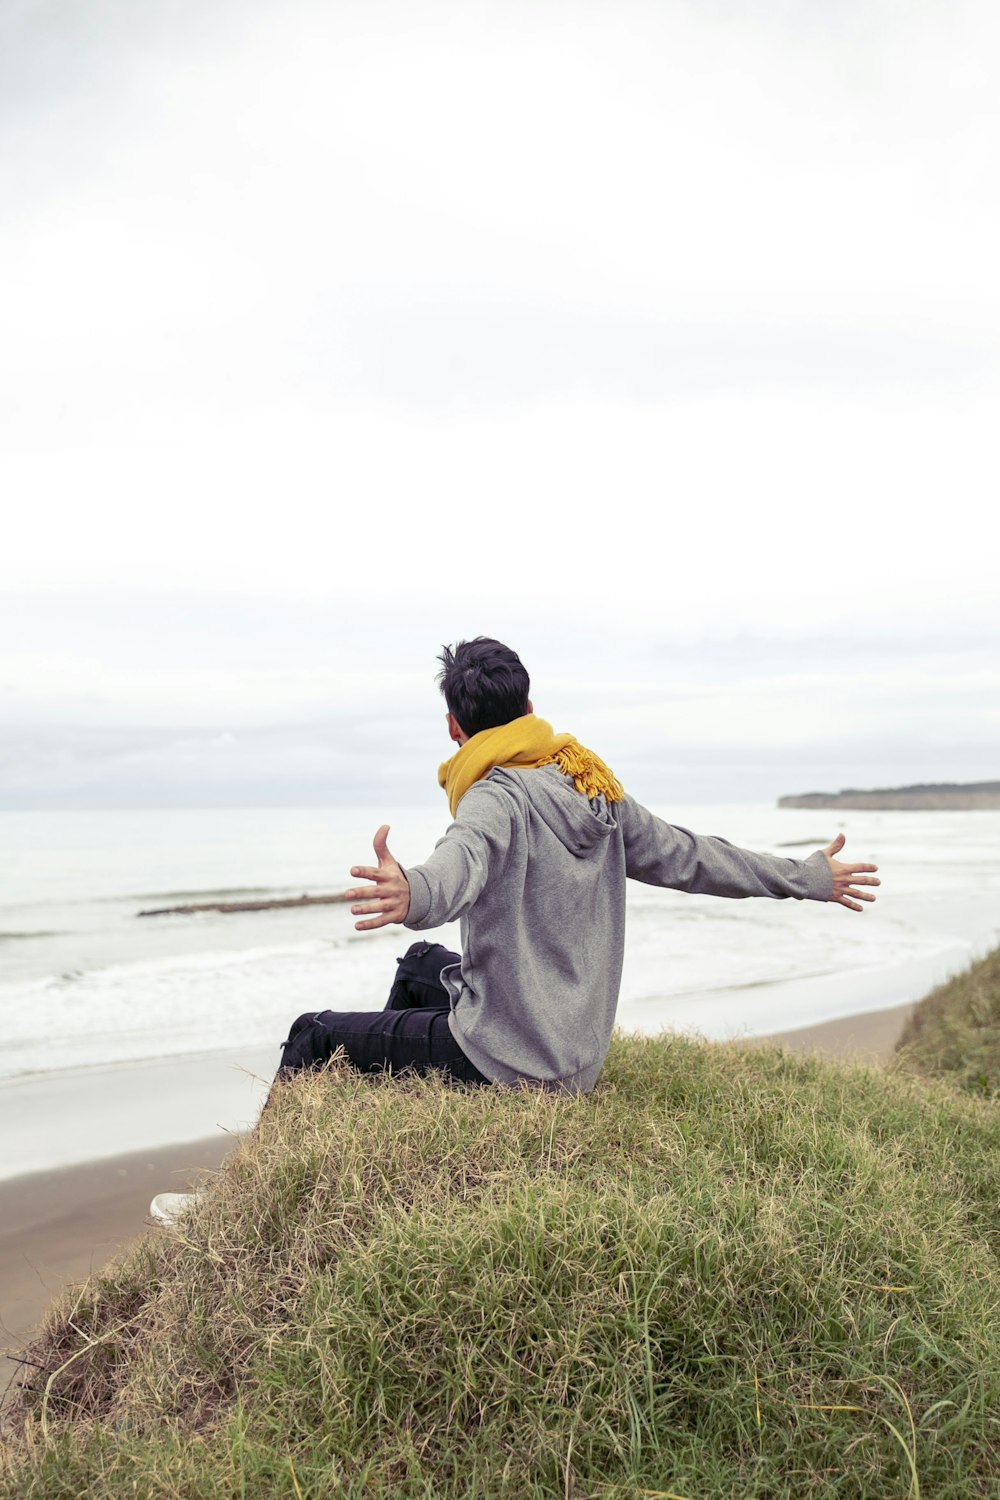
x=363, y=907
x=375, y=872
x=851, y=897
x=853, y=870
x=836, y=846
x=375, y=922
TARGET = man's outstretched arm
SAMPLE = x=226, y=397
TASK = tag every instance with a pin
x=660, y=853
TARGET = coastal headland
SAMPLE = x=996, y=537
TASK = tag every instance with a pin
x=60, y=1226
x=930, y=797
x=722, y=1270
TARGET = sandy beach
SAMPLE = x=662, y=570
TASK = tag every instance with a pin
x=869, y=1038
x=60, y=1226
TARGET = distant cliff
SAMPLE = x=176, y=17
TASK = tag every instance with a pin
x=934, y=797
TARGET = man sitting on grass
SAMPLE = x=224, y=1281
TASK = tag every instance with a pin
x=534, y=864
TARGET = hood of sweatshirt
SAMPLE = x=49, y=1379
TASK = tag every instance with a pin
x=577, y=823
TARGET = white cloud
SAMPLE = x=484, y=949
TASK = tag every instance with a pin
x=333, y=332
x=789, y=511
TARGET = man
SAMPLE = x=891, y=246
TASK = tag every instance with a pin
x=534, y=864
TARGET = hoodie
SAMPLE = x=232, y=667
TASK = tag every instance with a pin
x=536, y=873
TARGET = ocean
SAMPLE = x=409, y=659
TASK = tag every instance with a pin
x=86, y=982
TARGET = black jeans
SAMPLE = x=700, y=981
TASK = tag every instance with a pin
x=411, y=1032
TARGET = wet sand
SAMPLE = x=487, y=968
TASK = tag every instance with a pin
x=868, y=1038
x=58, y=1227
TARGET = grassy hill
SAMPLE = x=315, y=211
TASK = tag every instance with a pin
x=725, y=1273
x=955, y=1032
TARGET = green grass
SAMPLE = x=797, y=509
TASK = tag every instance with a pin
x=955, y=1031
x=725, y=1273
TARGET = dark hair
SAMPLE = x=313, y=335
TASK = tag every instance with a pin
x=484, y=684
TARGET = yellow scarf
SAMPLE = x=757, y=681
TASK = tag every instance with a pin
x=525, y=744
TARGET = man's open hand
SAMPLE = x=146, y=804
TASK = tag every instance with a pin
x=390, y=895
x=847, y=878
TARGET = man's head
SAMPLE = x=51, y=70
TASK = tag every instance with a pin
x=484, y=685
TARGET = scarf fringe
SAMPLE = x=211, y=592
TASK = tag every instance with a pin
x=590, y=775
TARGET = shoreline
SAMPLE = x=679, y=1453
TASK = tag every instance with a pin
x=94, y=1111
x=128, y=1107
x=64, y=1224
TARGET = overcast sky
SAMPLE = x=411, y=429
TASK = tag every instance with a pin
x=660, y=340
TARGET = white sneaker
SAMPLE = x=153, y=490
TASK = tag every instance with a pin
x=170, y=1208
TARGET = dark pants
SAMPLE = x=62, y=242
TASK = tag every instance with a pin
x=411, y=1032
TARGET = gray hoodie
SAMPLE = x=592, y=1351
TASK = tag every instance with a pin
x=536, y=873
